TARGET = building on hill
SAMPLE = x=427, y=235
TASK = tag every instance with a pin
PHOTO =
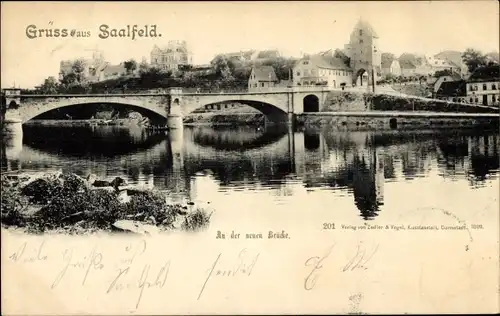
x=262, y=78
x=92, y=67
x=454, y=58
x=171, y=57
x=321, y=69
x=243, y=56
x=264, y=55
x=414, y=65
x=113, y=71
x=440, y=64
x=483, y=86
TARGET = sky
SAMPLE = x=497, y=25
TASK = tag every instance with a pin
x=293, y=28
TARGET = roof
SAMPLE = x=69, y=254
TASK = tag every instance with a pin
x=264, y=73
x=387, y=59
x=412, y=59
x=365, y=26
x=485, y=73
x=452, y=56
x=452, y=88
x=406, y=64
x=326, y=61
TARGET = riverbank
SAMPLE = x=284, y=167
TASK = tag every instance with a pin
x=88, y=122
x=66, y=203
x=397, y=120
x=230, y=119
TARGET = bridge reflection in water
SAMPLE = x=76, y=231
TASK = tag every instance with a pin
x=201, y=163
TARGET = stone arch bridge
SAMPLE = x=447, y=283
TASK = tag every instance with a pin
x=171, y=106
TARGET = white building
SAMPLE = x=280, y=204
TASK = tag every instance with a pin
x=324, y=70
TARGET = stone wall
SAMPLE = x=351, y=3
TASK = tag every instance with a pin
x=338, y=101
x=394, y=122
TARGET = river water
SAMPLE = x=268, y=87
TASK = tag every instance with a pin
x=279, y=175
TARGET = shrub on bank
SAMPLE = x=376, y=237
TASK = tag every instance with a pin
x=11, y=205
x=196, y=220
x=68, y=201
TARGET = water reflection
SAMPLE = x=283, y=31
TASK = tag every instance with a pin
x=204, y=163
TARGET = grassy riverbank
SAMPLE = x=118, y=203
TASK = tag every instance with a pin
x=89, y=122
x=67, y=203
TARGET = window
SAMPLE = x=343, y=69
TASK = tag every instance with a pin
x=470, y=100
x=493, y=86
x=470, y=89
x=298, y=73
x=361, y=41
x=493, y=98
x=475, y=87
x=262, y=84
x=255, y=85
x=476, y=100
x=360, y=32
x=305, y=63
x=485, y=87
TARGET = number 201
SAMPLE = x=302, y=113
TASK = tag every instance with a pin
x=328, y=225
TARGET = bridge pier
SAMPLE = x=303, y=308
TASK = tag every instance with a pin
x=174, y=117
x=12, y=138
x=291, y=118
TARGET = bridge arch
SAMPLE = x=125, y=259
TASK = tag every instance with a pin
x=311, y=103
x=272, y=112
x=31, y=111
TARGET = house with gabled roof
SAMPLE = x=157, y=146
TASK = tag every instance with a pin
x=414, y=65
x=262, y=78
x=321, y=69
x=390, y=65
x=483, y=85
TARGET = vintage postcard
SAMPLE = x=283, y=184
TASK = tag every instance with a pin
x=250, y=157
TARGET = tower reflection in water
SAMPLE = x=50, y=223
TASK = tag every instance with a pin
x=198, y=163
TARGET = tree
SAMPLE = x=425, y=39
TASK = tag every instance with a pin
x=223, y=67
x=78, y=69
x=49, y=86
x=68, y=80
x=282, y=67
x=474, y=59
x=143, y=67
x=130, y=66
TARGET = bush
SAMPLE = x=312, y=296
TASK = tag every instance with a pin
x=97, y=207
x=196, y=220
x=11, y=205
x=147, y=204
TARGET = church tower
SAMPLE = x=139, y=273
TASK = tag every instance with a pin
x=364, y=53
